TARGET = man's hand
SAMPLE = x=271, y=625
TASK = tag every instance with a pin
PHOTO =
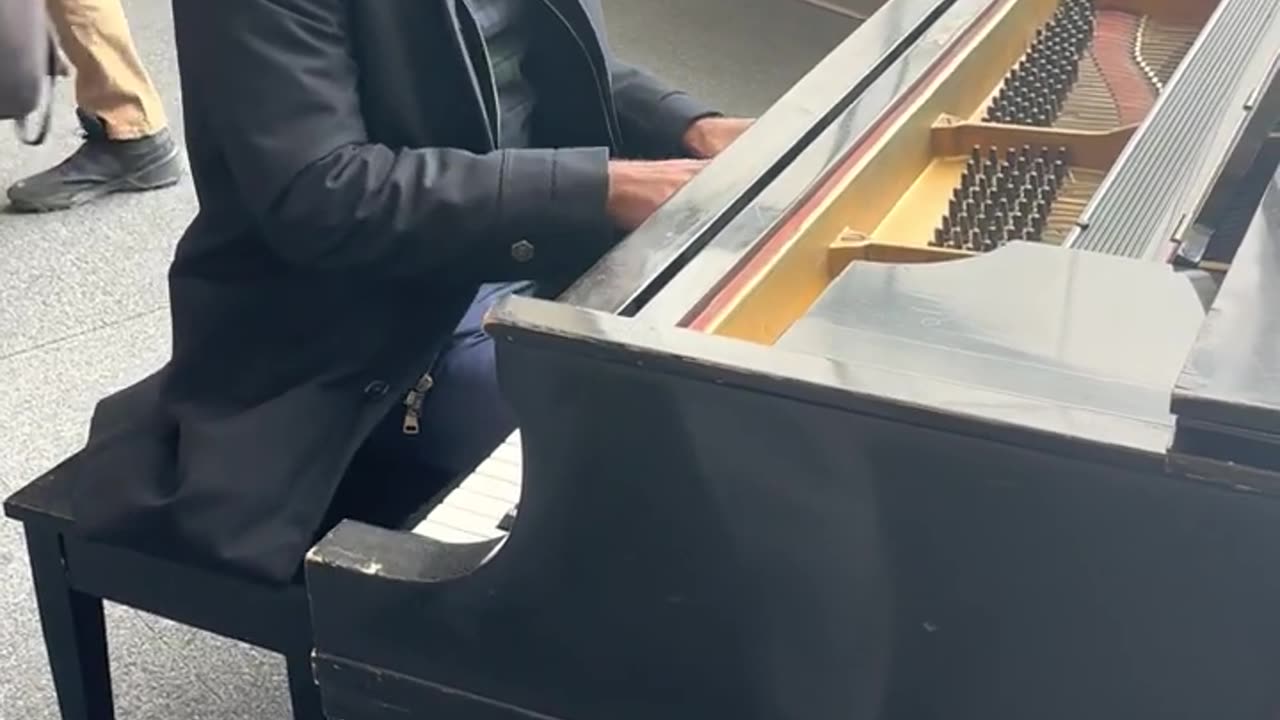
x=709, y=137
x=637, y=189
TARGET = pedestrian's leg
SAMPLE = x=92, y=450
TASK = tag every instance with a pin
x=127, y=144
x=111, y=83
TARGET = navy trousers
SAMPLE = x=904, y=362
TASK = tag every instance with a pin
x=463, y=415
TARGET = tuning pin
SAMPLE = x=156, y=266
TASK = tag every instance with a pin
x=939, y=238
x=946, y=223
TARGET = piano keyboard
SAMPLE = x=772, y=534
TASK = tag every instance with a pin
x=483, y=505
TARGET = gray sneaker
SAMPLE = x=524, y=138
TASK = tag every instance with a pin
x=100, y=167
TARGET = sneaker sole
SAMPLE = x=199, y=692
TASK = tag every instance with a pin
x=159, y=175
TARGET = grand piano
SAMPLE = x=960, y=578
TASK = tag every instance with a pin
x=951, y=391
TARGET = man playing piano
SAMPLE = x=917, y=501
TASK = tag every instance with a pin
x=372, y=177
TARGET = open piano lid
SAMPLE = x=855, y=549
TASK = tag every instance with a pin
x=1227, y=398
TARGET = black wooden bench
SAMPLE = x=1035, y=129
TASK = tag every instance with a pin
x=73, y=577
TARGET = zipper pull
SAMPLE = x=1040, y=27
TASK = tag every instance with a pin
x=410, y=425
x=413, y=405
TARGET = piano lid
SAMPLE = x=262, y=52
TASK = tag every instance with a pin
x=1231, y=382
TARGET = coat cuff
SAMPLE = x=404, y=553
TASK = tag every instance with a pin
x=677, y=111
x=552, y=209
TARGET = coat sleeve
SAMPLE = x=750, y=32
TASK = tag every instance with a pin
x=277, y=91
x=653, y=115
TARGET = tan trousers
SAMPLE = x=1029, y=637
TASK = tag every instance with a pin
x=111, y=83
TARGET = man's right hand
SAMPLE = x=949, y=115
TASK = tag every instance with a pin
x=638, y=188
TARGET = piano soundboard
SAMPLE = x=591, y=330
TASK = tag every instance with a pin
x=483, y=506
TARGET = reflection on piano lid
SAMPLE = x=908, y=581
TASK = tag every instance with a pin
x=483, y=506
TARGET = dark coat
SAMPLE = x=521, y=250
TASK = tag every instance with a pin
x=350, y=204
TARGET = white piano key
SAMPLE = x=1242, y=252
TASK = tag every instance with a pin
x=472, y=511
x=444, y=533
x=464, y=498
x=483, y=526
x=508, y=492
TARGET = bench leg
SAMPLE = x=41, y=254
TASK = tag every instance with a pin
x=75, y=634
x=303, y=691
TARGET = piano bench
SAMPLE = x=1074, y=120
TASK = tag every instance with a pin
x=73, y=577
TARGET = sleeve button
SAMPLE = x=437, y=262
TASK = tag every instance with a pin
x=522, y=251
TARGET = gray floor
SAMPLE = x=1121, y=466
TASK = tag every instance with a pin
x=82, y=311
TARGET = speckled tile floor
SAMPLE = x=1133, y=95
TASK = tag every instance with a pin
x=82, y=312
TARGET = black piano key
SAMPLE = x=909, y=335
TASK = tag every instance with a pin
x=508, y=520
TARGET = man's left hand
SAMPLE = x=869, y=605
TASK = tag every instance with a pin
x=709, y=137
